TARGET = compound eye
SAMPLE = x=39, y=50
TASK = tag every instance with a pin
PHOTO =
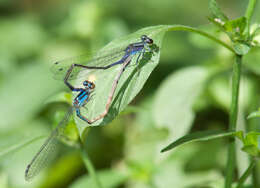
x=85, y=83
x=143, y=37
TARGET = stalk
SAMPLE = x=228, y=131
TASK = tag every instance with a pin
x=233, y=121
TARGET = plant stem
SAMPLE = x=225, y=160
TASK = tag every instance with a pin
x=249, y=13
x=90, y=167
x=255, y=176
x=245, y=175
x=250, y=10
x=207, y=35
x=233, y=120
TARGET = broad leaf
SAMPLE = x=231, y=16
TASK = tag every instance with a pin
x=130, y=83
x=24, y=109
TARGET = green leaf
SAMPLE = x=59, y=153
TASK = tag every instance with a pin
x=236, y=25
x=254, y=114
x=250, y=143
x=216, y=11
x=32, y=98
x=251, y=150
x=19, y=145
x=199, y=136
x=175, y=98
x=13, y=148
x=251, y=138
x=241, y=48
x=130, y=83
x=108, y=178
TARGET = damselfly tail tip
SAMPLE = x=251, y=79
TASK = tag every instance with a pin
x=27, y=177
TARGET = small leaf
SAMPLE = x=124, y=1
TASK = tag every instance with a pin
x=240, y=135
x=251, y=150
x=236, y=26
x=254, y=114
x=251, y=138
x=200, y=136
x=241, y=48
x=250, y=143
x=216, y=11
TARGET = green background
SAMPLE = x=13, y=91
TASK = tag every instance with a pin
x=126, y=153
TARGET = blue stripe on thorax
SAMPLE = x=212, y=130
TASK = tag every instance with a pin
x=81, y=94
x=82, y=97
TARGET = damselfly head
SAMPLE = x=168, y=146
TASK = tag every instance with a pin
x=88, y=84
x=146, y=39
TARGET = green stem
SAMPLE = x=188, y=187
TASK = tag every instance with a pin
x=207, y=35
x=250, y=10
x=249, y=13
x=245, y=175
x=255, y=176
x=90, y=167
x=233, y=120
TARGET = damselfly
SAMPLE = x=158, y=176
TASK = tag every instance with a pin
x=126, y=62
x=41, y=157
x=48, y=147
x=104, y=61
x=130, y=51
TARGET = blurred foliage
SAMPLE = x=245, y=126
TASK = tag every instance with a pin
x=188, y=91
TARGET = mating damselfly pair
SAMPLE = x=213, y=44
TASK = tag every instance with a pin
x=79, y=67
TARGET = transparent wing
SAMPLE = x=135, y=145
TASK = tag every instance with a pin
x=59, y=68
x=45, y=154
